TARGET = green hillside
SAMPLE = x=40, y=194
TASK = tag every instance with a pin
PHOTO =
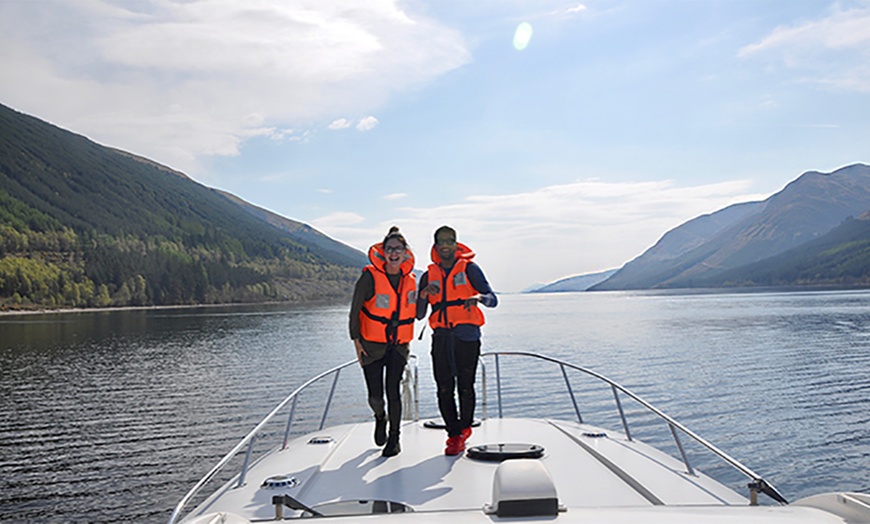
x=839, y=258
x=84, y=225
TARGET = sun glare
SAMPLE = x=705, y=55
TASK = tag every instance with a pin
x=522, y=36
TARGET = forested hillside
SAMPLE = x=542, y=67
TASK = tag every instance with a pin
x=839, y=258
x=84, y=225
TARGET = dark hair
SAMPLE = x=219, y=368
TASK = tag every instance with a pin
x=394, y=233
x=444, y=229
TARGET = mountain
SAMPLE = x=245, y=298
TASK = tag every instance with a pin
x=575, y=283
x=305, y=234
x=840, y=257
x=700, y=250
x=86, y=225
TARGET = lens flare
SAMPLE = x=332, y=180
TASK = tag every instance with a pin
x=522, y=36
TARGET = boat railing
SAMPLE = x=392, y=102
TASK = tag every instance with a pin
x=757, y=483
x=410, y=404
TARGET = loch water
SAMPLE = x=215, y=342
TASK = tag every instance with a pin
x=112, y=416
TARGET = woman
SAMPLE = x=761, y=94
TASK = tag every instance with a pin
x=382, y=317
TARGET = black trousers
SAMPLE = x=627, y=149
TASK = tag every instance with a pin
x=454, y=363
x=393, y=363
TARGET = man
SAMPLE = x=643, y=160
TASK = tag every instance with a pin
x=454, y=286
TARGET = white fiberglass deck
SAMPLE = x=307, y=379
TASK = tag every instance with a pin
x=588, y=470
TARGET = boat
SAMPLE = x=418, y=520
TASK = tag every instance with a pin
x=529, y=468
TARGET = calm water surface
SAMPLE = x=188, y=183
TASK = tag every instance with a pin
x=113, y=416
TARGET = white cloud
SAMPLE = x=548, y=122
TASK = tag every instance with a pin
x=832, y=51
x=552, y=232
x=366, y=124
x=341, y=123
x=849, y=29
x=346, y=226
x=176, y=81
x=339, y=219
x=395, y=196
x=353, y=229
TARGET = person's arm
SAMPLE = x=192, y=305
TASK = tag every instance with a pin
x=422, y=297
x=364, y=290
x=486, y=295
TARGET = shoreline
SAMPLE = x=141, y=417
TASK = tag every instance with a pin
x=31, y=312
x=12, y=312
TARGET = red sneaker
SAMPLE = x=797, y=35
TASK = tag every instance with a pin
x=455, y=445
x=466, y=433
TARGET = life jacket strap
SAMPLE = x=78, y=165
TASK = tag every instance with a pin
x=391, y=325
x=441, y=308
x=438, y=306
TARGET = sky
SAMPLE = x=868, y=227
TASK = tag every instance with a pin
x=558, y=138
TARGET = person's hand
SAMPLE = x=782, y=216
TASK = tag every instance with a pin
x=360, y=350
x=473, y=301
x=431, y=289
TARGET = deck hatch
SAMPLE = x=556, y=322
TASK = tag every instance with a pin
x=438, y=424
x=505, y=451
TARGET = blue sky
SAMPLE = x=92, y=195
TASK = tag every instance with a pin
x=570, y=149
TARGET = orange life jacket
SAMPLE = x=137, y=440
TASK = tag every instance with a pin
x=448, y=306
x=388, y=317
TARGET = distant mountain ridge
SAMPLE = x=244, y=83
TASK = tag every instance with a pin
x=702, y=250
x=86, y=225
x=575, y=283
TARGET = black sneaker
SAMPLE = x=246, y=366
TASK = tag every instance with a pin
x=392, y=448
x=381, y=431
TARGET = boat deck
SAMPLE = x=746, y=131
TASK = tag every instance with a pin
x=589, y=468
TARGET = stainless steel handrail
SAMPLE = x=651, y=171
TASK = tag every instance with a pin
x=758, y=482
x=251, y=437
x=249, y=441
